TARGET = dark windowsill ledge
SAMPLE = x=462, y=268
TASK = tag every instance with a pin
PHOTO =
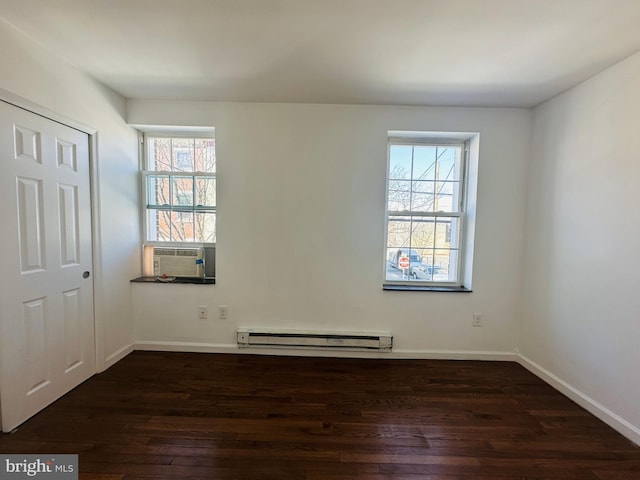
x=182, y=280
x=424, y=288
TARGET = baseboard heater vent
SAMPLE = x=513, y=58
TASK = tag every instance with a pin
x=298, y=339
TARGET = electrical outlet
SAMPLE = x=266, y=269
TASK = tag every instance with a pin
x=477, y=320
x=202, y=312
x=223, y=312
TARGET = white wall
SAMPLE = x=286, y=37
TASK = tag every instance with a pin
x=32, y=73
x=301, y=229
x=581, y=324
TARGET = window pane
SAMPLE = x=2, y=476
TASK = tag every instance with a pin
x=392, y=270
x=399, y=195
x=423, y=187
x=168, y=226
x=399, y=232
x=182, y=191
x=422, y=233
x=447, y=233
x=183, y=154
x=159, y=225
x=183, y=161
x=443, y=233
x=408, y=264
x=424, y=163
x=412, y=254
x=158, y=190
x=182, y=227
x=424, y=271
x=422, y=198
x=417, y=270
x=205, y=224
x=400, y=162
x=205, y=155
x=446, y=198
x=449, y=163
x=205, y=192
x=159, y=151
x=400, y=262
x=445, y=265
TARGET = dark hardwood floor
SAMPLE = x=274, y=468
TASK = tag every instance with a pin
x=208, y=416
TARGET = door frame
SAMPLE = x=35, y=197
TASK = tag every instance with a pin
x=96, y=245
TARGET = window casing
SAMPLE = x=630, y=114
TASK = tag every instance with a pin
x=179, y=190
x=425, y=212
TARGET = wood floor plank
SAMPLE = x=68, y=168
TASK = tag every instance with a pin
x=157, y=416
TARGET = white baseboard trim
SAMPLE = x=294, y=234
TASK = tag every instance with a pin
x=118, y=355
x=190, y=347
x=457, y=355
x=603, y=413
x=394, y=354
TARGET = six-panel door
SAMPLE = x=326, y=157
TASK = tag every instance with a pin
x=47, y=341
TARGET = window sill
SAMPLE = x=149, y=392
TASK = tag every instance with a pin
x=193, y=281
x=424, y=288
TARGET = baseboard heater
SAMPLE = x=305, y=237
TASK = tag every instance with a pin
x=250, y=337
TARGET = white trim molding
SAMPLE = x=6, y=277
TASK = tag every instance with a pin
x=185, y=347
x=616, y=422
x=116, y=356
x=196, y=347
x=25, y=104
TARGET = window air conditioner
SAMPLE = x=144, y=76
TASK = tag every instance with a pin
x=178, y=262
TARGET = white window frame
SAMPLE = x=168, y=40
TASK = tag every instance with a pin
x=145, y=137
x=432, y=139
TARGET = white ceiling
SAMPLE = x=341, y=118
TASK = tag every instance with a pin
x=404, y=52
